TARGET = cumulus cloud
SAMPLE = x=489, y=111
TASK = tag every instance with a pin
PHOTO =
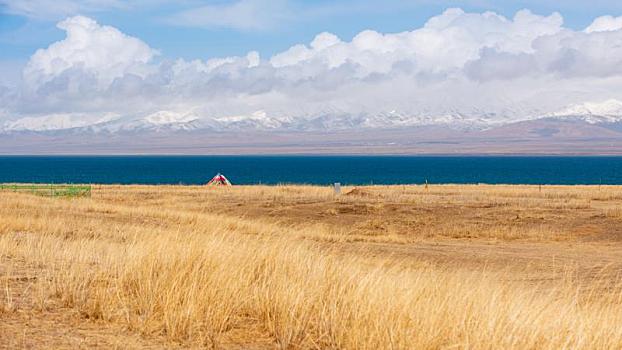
x=102, y=52
x=605, y=24
x=470, y=65
x=445, y=43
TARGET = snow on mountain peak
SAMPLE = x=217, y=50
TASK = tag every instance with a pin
x=593, y=112
x=258, y=118
x=57, y=122
x=608, y=111
x=169, y=117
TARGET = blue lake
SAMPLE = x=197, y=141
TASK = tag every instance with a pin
x=311, y=169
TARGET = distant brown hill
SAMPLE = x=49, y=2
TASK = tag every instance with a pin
x=542, y=136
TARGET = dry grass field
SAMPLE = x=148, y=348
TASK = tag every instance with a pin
x=295, y=267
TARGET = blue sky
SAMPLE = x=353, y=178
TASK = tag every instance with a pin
x=68, y=63
x=23, y=31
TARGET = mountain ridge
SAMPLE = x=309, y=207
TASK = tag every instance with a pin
x=609, y=111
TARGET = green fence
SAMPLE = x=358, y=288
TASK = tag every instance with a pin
x=50, y=190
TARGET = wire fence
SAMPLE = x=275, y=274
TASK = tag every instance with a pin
x=50, y=190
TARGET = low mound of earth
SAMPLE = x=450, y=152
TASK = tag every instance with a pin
x=358, y=192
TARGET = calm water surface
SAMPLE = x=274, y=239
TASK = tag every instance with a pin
x=311, y=169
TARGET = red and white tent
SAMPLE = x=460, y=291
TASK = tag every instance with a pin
x=219, y=180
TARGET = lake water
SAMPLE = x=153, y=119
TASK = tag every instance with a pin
x=310, y=169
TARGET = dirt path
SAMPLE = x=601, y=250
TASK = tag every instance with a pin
x=585, y=260
x=61, y=329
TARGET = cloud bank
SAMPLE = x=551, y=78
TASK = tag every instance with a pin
x=467, y=65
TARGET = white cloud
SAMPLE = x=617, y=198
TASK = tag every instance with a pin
x=101, y=52
x=468, y=65
x=605, y=24
x=253, y=59
x=445, y=42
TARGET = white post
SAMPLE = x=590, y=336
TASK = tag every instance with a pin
x=337, y=188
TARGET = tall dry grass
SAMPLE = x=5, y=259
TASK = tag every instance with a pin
x=197, y=277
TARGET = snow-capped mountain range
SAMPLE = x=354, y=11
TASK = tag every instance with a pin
x=609, y=111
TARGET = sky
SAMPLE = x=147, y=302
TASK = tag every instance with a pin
x=294, y=58
x=203, y=29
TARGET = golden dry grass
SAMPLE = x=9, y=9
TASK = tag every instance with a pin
x=395, y=267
